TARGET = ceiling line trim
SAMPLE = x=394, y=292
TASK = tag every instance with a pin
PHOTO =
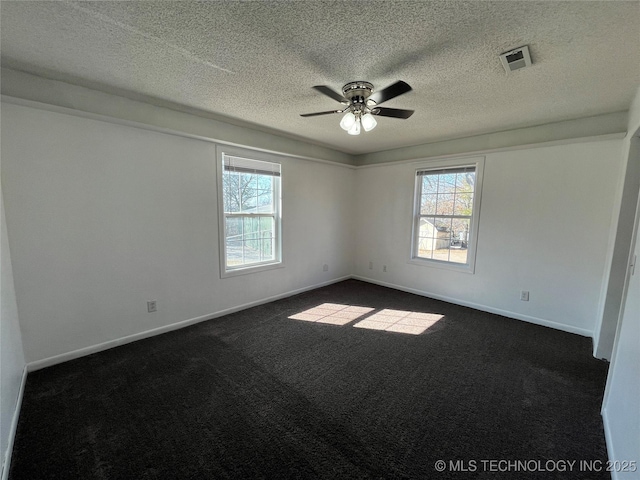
x=475, y=153
x=418, y=158
x=27, y=86
x=154, y=128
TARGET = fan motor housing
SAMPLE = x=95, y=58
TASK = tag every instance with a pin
x=357, y=92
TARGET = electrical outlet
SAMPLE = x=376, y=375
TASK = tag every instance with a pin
x=152, y=307
x=325, y=268
x=524, y=295
x=370, y=265
x=384, y=268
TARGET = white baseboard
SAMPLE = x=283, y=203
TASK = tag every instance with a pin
x=39, y=364
x=484, y=308
x=64, y=357
x=6, y=465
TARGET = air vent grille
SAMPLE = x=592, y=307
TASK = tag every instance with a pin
x=516, y=59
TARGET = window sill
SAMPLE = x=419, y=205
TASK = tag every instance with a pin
x=456, y=267
x=251, y=269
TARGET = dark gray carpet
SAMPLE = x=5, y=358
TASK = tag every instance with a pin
x=256, y=395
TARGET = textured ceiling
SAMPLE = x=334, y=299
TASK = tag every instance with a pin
x=256, y=61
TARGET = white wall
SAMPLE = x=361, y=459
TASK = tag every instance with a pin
x=545, y=222
x=621, y=239
x=12, y=360
x=103, y=217
x=621, y=409
x=620, y=245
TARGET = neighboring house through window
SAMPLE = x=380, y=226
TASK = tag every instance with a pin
x=250, y=216
x=447, y=200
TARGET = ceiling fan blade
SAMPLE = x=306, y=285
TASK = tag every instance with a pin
x=330, y=93
x=320, y=113
x=392, y=112
x=390, y=92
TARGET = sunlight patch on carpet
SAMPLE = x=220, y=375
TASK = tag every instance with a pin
x=332, y=313
x=401, y=321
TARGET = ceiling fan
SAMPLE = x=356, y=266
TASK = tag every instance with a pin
x=361, y=104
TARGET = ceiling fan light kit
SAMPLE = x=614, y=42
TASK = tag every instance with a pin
x=348, y=121
x=355, y=129
x=368, y=122
x=361, y=105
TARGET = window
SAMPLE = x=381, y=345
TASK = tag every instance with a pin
x=447, y=198
x=250, y=226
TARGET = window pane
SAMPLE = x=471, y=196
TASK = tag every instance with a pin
x=250, y=240
x=430, y=184
x=458, y=256
x=443, y=239
x=267, y=252
x=230, y=182
x=465, y=182
x=234, y=239
x=445, y=204
x=247, y=193
x=460, y=232
x=264, y=194
x=459, y=240
x=443, y=225
x=251, y=227
x=464, y=204
x=447, y=183
x=429, y=238
x=441, y=254
x=248, y=187
x=267, y=224
x=428, y=204
x=233, y=227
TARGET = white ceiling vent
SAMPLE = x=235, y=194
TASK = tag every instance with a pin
x=516, y=59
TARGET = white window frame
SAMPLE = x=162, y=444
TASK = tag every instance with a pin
x=469, y=267
x=223, y=151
